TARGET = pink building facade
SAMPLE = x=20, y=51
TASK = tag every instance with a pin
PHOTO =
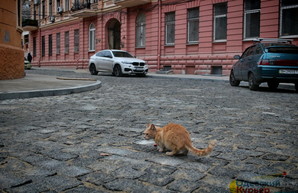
x=185, y=36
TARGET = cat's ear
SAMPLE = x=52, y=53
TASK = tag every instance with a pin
x=152, y=127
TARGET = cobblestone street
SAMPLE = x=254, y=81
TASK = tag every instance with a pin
x=93, y=142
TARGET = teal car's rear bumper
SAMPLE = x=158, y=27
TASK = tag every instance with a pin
x=279, y=73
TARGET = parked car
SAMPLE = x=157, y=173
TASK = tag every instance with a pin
x=117, y=62
x=269, y=60
x=27, y=64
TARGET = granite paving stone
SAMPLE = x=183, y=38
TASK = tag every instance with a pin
x=183, y=185
x=93, y=141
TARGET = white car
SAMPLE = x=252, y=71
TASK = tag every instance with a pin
x=118, y=62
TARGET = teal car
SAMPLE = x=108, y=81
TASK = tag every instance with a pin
x=272, y=61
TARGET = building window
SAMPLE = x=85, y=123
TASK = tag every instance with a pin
x=193, y=25
x=91, y=37
x=289, y=18
x=26, y=39
x=34, y=46
x=76, y=5
x=59, y=7
x=66, y=5
x=76, y=41
x=19, y=16
x=43, y=9
x=220, y=22
x=251, y=19
x=43, y=46
x=58, y=43
x=50, y=45
x=170, y=28
x=140, y=30
x=66, y=42
x=50, y=8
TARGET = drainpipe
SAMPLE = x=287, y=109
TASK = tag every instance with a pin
x=103, y=41
x=159, y=35
x=39, y=47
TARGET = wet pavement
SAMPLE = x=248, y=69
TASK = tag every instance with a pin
x=92, y=141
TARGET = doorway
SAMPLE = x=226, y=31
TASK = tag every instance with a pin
x=114, y=34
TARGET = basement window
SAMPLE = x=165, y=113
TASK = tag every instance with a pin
x=217, y=70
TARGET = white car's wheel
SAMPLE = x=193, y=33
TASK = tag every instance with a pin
x=117, y=71
x=93, y=70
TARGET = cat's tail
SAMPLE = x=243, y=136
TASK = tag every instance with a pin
x=202, y=152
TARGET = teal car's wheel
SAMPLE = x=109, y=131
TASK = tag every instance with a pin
x=252, y=82
x=233, y=81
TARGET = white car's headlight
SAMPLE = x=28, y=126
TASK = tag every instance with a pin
x=126, y=62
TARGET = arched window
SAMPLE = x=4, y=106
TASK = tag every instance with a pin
x=140, y=30
x=91, y=37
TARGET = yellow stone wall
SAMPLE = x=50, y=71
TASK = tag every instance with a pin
x=11, y=53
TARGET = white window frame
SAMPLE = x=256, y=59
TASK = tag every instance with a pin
x=192, y=20
x=141, y=31
x=283, y=8
x=246, y=13
x=215, y=17
x=245, y=24
x=91, y=37
x=167, y=25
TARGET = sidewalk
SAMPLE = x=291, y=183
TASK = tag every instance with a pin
x=38, y=85
x=35, y=85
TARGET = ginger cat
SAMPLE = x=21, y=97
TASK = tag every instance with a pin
x=176, y=138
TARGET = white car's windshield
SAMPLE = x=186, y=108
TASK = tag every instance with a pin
x=122, y=54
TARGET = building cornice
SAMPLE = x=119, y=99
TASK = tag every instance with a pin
x=61, y=22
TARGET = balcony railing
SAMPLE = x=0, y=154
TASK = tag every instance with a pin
x=83, y=10
x=30, y=25
x=130, y=3
x=80, y=6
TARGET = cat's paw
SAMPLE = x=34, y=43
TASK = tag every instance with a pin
x=212, y=143
x=169, y=153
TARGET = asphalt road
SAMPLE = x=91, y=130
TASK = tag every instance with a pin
x=92, y=141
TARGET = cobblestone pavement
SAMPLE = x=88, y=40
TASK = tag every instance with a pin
x=92, y=141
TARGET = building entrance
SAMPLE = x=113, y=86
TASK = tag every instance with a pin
x=114, y=34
